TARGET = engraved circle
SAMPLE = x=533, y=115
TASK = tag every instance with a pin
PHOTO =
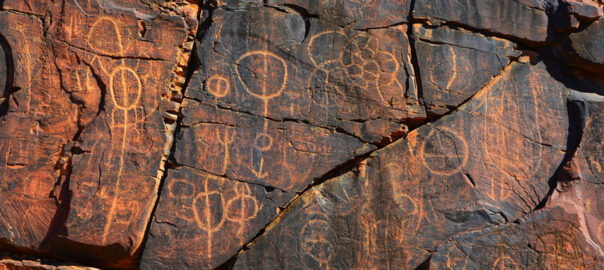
x=314, y=242
x=267, y=82
x=241, y=208
x=120, y=85
x=263, y=142
x=182, y=189
x=444, y=152
x=105, y=37
x=208, y=211
x=218, y=86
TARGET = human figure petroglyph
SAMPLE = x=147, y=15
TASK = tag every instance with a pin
x=125, y=93
x=242, y=208
x=226, y=138
x=124, y=99
x=208, y=209
x=443, y=152
x=264, y=75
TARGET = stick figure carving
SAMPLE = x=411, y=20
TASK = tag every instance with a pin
x=208, y=208
x=263, y=75
x=241, y=208
x=125, y=93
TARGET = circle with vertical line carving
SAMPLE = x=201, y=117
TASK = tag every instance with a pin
x=262, y=73
x=126, y=87
x=444, y=152
x=218, y=86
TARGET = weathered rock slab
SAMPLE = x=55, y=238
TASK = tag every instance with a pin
x=203, y=220
x=588, y=43
x=463, y=172
x=525, y=19
x=548, y=239
x=82, y=131
x=360, y=82
x=455, y=64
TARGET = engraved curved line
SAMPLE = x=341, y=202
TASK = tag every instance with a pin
x=117, y=32
x=225, y=140
x=459, y=152
x=493, y=109
x=397, y=66
x=185, y=183
x=206, y=224
x=259, y=145
x=312, y=40
x=125, y=106
x=500, y=263
x=79, y=6
x=454, y=59
x=28, y=66
x=264, y=97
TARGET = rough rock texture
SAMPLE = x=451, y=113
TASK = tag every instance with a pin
x=7, y=264
x=301, y=134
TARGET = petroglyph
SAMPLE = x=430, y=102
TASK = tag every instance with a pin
x=443, y=152
x=364, y=67
x=314, y=243
x=107, y=26
x=559, y=250
x=504, y=262
x=241, y=208
x=506, y=147
x=263, y=74
x=218, y=85
x=226, y=139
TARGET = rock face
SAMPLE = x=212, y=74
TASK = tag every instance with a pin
x=299, y=134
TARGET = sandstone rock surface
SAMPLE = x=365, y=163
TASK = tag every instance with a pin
x=301, y=134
